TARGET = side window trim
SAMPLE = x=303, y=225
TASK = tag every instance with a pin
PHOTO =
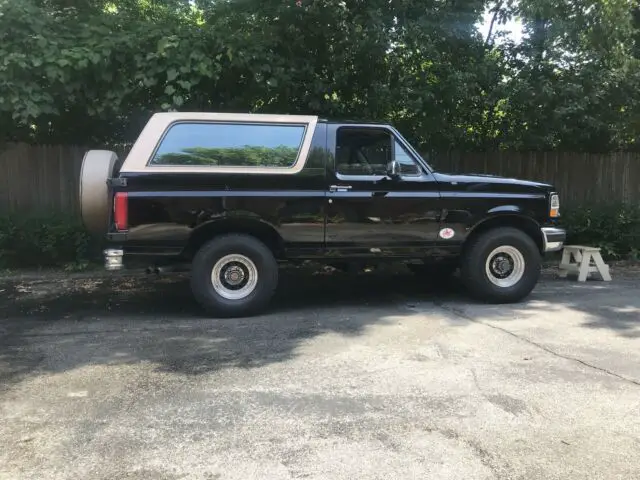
x=166, y=132
x=334, y=140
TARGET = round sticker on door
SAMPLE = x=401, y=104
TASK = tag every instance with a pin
x=447, y=233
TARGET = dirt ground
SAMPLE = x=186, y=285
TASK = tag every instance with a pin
x=368, y=376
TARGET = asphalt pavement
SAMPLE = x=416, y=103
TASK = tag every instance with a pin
x=371, y=377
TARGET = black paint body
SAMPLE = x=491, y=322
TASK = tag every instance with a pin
x=302, y=217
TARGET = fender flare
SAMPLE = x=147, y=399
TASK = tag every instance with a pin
x=257, y=227
x=508, y=215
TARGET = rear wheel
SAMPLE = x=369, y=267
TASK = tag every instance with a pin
x=501, y=265
x=234, y=275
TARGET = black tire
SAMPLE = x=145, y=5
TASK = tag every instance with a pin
x=474, y=264
x=201, y=275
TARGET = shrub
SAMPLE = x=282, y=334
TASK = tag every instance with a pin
x=615, y=228
x=45, y=240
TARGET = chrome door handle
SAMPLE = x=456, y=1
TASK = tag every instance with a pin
x=337, y=188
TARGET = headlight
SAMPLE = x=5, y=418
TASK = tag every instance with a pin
x=554, y=205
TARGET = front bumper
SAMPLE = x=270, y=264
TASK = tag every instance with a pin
x=553, y=239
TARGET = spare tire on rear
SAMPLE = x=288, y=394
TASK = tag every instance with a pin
x=97, y=167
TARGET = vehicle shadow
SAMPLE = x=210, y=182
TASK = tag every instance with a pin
x=167, y=296
x=64, y=324
x=57, y=325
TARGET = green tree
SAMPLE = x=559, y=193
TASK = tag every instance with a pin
x=92, y=71
x=570, y=82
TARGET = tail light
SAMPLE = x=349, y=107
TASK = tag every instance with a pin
x=121, y=211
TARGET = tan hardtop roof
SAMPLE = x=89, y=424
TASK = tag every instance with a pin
x=239, y=117
x=261, y=117
x=153, y=131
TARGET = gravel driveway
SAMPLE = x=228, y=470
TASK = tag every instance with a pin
x=372, y=377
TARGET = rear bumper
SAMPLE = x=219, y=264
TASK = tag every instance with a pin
x=113, y=259
x=553, y=239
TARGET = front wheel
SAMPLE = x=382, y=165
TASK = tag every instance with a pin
x=501, y=265
x=234, y=275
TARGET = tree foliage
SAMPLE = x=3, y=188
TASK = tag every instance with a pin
x=571, y=80
x=92, y=71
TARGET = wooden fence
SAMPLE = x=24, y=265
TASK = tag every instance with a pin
x=45, y=178
x=40, y=178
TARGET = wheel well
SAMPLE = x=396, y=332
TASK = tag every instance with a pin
x=527, y=225
x=260, y=230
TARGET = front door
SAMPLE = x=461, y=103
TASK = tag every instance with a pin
x=369, y=212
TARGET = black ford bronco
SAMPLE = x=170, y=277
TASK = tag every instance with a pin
x=234, y=195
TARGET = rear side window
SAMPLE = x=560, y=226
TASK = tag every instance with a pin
x=229, y=144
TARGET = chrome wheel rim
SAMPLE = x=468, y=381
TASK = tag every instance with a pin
x=234, y=277
x=505, y=266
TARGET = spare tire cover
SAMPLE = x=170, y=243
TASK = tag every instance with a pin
x=97, y=166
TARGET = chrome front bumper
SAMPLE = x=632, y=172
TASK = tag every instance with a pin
x=113, y=259
x=553, y=239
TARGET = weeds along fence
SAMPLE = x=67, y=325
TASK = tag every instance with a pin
x=37, y=178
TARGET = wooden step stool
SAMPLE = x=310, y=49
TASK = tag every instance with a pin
x=582, y=264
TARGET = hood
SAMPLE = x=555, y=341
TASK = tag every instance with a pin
x=491, y=183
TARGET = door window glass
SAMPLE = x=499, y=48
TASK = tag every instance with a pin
x=368, y=151
x=365, y=151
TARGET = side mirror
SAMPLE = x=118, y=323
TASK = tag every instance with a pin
x=393, y=169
